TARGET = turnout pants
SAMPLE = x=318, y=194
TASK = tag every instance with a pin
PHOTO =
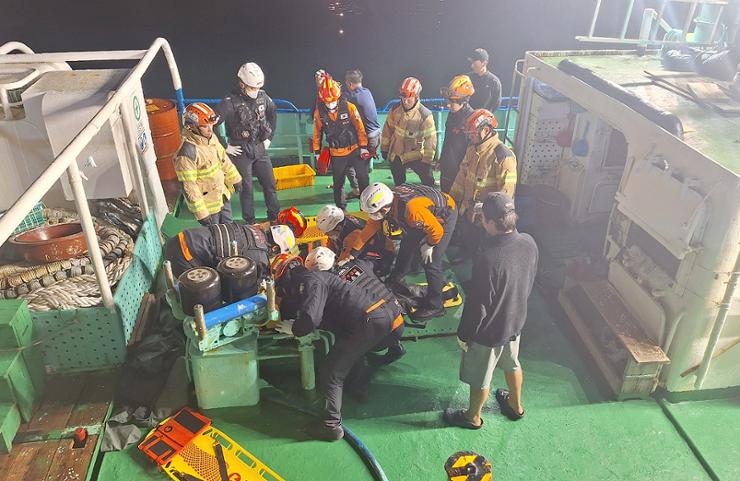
x=348, y=356
x=422, y=169
x=409, y=250
x=339, y=167
x=260, y=167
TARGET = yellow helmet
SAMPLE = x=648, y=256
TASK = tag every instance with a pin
x=460, y=88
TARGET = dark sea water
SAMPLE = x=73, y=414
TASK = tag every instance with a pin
x=386, y=39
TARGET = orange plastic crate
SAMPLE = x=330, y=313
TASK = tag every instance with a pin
x=293, y=176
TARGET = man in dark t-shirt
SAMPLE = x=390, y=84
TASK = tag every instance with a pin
x=487, y=86
x=494, y=313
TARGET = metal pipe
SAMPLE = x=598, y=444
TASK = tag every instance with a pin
x=169, y=276
x=511, y=95
x=668, y=340
x=128, y=125
x=654, y=31
x=627, y=19
x=49, y=177
x=687, y=22
x=593, y=19
x=6, y=106
x=60, y=57
x=10, y=46
x=234, y=310
x=719, y=324
x=93, y=248
x=273, y=314
x=200, y=322
x=308, y=372
x=716, y=23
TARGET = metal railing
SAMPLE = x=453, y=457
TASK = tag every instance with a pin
x=66, y=161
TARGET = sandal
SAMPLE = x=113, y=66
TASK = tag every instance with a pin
x=456, y=417
x=502, y=397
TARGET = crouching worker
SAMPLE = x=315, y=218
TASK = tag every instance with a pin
x=360, y=273
x=344, y=229
x=495, y=312
x=427, y=218
x=206, y=246
x=359, y=318
x=208, y=177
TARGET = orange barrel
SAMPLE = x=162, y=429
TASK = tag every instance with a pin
x=165, y=125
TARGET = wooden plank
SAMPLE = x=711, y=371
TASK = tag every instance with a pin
x=604, y=365
x=72, y=464
x=611, y=307
x=29, y=461
x=62, y=393
x=94, y=400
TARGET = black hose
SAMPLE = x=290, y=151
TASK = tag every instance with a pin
x=363, y=451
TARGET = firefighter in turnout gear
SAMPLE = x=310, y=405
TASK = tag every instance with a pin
x=341, y=124
x=360, y=316
x=208, y=177
x=456, y=140
x=251, y=119
x=343, y=229
x=488, y=166
x=409, y=138
x=207, y=246
x=427, y=218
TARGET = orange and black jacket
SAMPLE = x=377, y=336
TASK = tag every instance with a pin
x=342, y=128
x=419, y=213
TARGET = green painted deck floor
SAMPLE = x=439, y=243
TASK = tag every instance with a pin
x=571, y=430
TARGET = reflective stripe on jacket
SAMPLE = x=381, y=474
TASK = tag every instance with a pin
x=206, y=173
x=411, y=135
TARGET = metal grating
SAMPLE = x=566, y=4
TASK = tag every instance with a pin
x=541, y=158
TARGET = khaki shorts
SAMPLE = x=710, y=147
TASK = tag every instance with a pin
x=478, y=362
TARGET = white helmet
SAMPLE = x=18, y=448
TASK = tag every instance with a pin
x=374, y=198
x=329, y=218
x=320, y=259
x=283, y=237
x=251, y=74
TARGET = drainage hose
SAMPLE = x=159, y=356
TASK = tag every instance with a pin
x=363, y=451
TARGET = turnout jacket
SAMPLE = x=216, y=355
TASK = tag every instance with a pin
x=410, y=136
x=206, y=173
x=487, y=167
x=343, y=129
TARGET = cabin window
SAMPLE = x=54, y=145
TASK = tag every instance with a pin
x=616, y=152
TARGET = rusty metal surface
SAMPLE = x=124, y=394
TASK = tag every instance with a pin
x=49, y=243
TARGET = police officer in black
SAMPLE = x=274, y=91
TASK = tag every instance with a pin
x=251, y=120
x=360, y=317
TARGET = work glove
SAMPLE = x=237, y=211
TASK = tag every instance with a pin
x=463, y=345
x=365, y=154
x=426, y=253
x=285, y=326
x=207, y=220
x=238, y=187
x=233, y=150
x=267, y=143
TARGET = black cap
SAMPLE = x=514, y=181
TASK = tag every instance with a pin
x=497, y=205
x=478, y=54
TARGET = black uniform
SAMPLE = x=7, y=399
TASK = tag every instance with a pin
x=359, y=315
x=487, y=91
x=453, y=149
x=206, y=246
x=374, y=251
x=249, y=122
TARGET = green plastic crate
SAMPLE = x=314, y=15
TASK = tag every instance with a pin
x=15, y=383
x=10, y=421
x=15, y=323
x=227, y=376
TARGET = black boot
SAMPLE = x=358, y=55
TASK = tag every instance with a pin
x=323, y=432
x=424, y=313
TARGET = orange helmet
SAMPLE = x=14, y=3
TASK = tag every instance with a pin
x=282, y=263
x=330, y=90
x=294, y=219
x=460, y=88
x=199, y=114
x=478, y=119
x=410, y=87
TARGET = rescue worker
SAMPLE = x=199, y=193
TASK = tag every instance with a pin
x=343, y=229
x=409, y=138
x=354, y=193
x=206, y=246
x=208, y=177
x=458, y=94
x=360, y=272
x=487, y=86
x=495, y=312
x=341, y=124
x=251, y=120
x=427, y=218
x=488, y=166
x=359, y=316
